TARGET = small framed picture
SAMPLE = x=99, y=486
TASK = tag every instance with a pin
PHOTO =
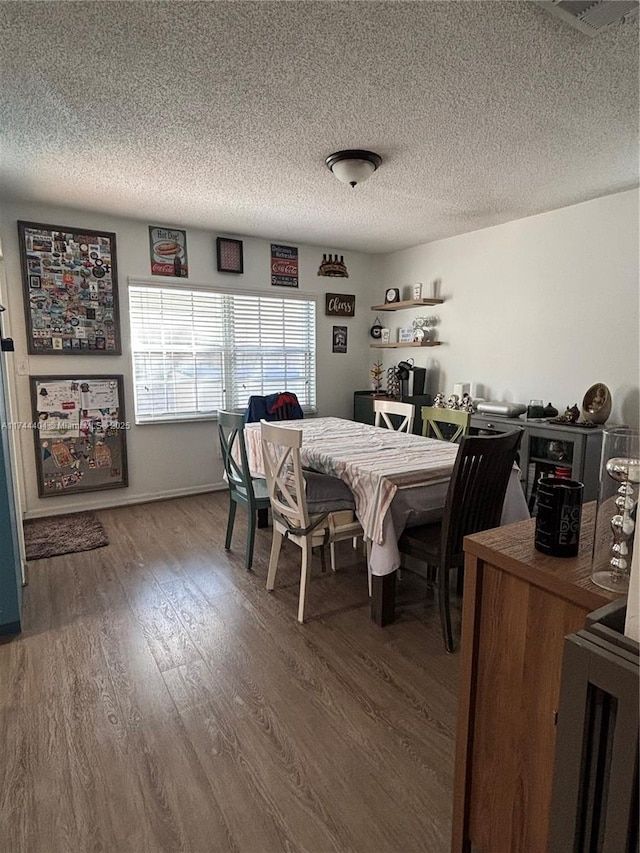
x=384, y=336
x=229, y=255
x=405, y=336
x=417, y=290
x=339, y=339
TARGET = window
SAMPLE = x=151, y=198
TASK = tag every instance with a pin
x=198, y=351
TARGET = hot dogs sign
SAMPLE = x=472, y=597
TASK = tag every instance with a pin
x=168, y=251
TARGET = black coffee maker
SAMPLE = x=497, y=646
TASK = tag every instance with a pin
x=403, y=373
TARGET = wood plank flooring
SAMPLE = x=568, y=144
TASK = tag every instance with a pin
x=159, y=699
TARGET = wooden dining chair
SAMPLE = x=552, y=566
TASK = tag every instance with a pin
x=243, y=489
x=433, y=418
x=474, y=502
x=384, y=408
x=332, y=521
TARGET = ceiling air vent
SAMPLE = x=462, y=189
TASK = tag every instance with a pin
x=591, y=16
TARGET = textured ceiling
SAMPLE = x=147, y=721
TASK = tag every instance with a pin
x=220, y=115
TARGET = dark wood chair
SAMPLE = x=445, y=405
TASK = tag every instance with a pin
x=474, y=502
x=243, y=489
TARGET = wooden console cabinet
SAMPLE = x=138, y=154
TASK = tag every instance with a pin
x=518, y=606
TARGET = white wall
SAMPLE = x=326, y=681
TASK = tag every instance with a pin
x=541, y=307
x=173, y=459
x=537, y=308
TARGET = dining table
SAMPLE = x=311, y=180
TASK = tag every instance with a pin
x=397, y=479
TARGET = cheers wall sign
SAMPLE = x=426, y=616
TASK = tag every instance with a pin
x=340, y=305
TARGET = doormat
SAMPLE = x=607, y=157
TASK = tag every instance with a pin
x=63, y=534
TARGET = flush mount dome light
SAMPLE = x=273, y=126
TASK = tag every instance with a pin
x=354, y=166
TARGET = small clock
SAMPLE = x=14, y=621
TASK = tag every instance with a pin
x=392, y=295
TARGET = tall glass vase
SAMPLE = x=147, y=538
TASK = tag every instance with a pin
x=616, y=512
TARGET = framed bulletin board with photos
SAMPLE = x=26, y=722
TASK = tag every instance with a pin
x=70, y=288
x=79, y=429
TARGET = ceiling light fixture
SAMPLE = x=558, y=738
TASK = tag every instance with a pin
x=353, y=166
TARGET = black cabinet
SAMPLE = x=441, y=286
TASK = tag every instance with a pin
x=363, y=407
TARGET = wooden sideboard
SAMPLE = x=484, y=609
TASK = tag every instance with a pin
x=518, y=606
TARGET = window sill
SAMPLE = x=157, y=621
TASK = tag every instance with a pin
x=181, y=420
x=309, y=411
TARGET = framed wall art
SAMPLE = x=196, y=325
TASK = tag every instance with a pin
x=284, y=265
x=339, y=339
x=168, y=252
x=339, y=304
x=70, y=287
x=79, y=429
x=229, y=255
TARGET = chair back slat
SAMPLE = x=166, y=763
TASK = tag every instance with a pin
x=477, y=489
x=433, y=417
x=385, y=408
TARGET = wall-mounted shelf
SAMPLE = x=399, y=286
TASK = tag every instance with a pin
x=408, y=344
x=408, y=303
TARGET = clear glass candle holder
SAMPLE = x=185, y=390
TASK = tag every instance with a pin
x=616, y=511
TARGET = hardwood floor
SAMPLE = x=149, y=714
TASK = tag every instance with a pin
x=159, y=699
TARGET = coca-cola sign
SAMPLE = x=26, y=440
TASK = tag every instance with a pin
x=284, y=266
x=339, y=305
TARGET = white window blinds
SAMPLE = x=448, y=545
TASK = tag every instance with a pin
x=198, y=351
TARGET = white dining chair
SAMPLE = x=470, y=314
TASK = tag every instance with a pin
x=384, y=408
x=289, y=510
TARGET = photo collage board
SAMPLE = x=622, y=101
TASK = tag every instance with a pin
x=80, y=433
x=70, y=290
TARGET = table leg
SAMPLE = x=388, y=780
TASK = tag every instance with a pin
x=263, y=518
x=383, y=599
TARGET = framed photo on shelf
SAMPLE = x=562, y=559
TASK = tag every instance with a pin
x=70, y=290
x=80, y=433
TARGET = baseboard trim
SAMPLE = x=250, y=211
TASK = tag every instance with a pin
x=112, y=501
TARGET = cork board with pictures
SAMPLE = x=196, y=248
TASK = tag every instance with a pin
x=70, y=288
x=80, y=431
